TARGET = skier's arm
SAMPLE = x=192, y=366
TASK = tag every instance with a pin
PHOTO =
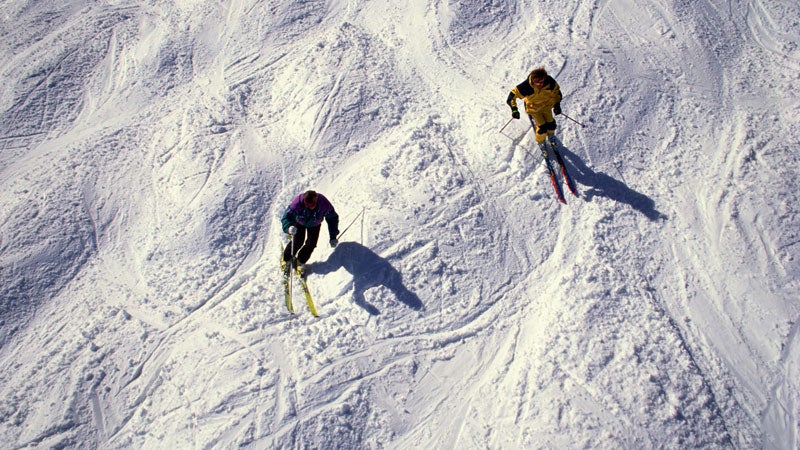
x=287, y=219
x=558, y=97
x=333, y=224
x=558, y=93
x=512, y=102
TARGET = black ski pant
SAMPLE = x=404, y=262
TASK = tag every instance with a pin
x=305, y=241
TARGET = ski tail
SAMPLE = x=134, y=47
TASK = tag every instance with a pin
x=287, y=286
x=552, y=173
x=556, y=185
x=567, y=179
x=307, y=294
x=287, y=293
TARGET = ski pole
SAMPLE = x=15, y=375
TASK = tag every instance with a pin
x=293, y=260
x=351, y=223
x=504, y=126
x=291, y=236
x=570, y=118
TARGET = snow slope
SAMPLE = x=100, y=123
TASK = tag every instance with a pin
x=149, y=148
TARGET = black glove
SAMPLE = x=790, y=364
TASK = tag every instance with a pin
x=557, y=109
x=515, y=113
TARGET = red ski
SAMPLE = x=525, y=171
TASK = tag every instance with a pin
x=560, y=160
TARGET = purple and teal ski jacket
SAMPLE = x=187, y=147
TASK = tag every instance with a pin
x=297, y=214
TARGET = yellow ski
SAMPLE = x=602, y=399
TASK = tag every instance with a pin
x=307, y=294
x=287, y=288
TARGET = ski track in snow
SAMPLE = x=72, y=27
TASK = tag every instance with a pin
x=148, y=150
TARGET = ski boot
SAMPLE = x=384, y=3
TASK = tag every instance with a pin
x=302, y=270
x=286, y=268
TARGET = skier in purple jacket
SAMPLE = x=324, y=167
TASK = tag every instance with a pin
x=302, y=220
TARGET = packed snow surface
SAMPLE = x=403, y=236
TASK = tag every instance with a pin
x=148, y=149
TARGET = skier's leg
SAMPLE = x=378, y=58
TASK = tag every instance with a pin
x=548, y=123
x=287, y=252
x=311, y=243
x=537, y=120
x=298, y=239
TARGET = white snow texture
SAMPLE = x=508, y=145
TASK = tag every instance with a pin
x=148, y=149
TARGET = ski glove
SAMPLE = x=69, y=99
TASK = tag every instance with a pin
x=515, y=113
x=557, y=109
x=334, y=243
x=292, y=230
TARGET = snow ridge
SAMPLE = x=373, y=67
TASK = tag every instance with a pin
x=148, y=149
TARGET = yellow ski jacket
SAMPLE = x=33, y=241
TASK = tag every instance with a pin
x=536, y=100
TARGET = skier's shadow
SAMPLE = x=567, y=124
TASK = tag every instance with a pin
x=603, y=185
x=369, y=270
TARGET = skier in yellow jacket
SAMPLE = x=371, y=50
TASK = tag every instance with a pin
x=542, y=97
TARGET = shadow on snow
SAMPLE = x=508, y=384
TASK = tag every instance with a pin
x=603, y=185
x=369, y=270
